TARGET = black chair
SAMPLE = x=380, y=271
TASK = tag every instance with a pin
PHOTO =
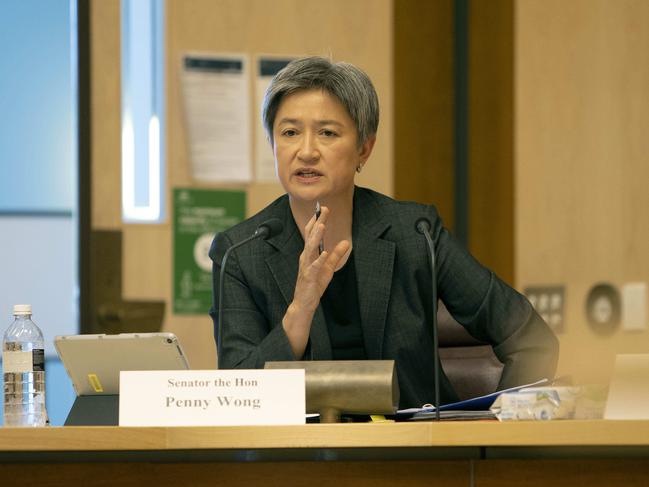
x=470, y=365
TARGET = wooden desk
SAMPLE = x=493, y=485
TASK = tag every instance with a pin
x=453, y=453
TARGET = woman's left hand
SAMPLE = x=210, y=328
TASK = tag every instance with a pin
x=314, y=274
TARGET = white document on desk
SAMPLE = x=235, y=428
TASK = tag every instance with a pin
x=212, y=398
x=628, y=395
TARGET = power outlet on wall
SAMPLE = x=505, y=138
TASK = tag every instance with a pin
x=548, y=301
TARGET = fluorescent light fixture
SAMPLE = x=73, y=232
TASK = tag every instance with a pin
x=142, y=111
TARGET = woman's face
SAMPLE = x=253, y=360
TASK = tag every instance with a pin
x=316, y=149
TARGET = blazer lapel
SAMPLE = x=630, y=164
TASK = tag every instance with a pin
x=283, y=265
x=374, y=261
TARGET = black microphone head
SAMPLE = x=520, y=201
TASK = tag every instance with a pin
x=270, y=228
x=422, y=225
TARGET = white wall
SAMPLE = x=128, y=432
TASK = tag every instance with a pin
x=38, y=266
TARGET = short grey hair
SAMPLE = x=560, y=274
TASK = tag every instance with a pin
x=349, y=84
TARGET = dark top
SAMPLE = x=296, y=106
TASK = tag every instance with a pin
x=394, y=299
x=340, y=306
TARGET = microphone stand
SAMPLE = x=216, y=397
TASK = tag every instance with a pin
x=265, y=230
x=423, y=227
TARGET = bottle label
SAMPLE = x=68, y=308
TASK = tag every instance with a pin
x=20, y=361
x=38, y=357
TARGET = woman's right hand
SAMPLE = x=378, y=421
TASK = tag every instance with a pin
x=314, y=274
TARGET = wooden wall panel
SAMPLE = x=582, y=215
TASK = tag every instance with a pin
x=424, y=90
x=491, y=135
x=581, y=125
x=106, y=116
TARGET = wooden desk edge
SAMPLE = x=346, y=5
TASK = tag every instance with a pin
x=356, y=435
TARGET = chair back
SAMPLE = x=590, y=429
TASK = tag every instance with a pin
x=470, y=365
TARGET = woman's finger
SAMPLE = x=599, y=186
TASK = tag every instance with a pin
x=311, y=245
x=324, y=214
x=338, y=253
x=314, y=233
x=309, y=225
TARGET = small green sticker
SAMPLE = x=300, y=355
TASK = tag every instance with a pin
x=198, y=215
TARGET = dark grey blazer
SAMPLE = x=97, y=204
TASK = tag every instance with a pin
x=394, y=292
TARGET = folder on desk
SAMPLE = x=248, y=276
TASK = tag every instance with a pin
x=476, y=404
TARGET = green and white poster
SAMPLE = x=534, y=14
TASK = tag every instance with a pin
x=198, y=215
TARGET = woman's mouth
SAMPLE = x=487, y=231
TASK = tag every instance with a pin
x=307, y=175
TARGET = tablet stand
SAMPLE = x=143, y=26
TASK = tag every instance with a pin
x=94, y=411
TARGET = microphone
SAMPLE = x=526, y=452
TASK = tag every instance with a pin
x=267, y=229
x=423, y=226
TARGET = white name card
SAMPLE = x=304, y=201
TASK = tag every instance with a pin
x=211, y=397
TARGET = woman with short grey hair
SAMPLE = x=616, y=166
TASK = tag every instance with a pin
x=349, y=278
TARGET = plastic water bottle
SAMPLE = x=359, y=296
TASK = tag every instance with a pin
x=23, y=364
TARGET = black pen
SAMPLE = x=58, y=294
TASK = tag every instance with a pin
x=317, y=215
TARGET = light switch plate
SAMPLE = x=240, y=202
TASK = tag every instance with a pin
x=634, y=306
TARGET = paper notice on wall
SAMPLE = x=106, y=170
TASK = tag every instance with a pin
x=267, y=67
x=216, y=99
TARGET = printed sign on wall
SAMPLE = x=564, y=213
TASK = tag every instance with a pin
x=216, y=96
x=198, y=215
x=267, y=67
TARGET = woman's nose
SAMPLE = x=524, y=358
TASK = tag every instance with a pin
x=308, y=152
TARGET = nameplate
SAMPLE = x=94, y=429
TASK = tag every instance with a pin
x=211, y=397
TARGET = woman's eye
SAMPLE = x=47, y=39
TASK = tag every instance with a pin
x=289, y=132
x=329, y=133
